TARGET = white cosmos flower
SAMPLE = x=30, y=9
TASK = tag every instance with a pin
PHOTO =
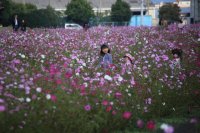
x=28, y=100
x=85, y=84
x=163, y=126
x=38, y=89
x=48, y=96
x=98, y=74
x=84, y=64
x=21, y=99
x=43, y=56
x=77, y=74
x=23, y=56
x=120, y=79
x=107, y=77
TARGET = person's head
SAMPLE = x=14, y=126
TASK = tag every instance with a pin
x=129, y=58
x=22, y=20
x=15, y=16
x=104, y=50
x=177, y=53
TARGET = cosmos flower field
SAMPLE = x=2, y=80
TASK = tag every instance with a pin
x=50, y=80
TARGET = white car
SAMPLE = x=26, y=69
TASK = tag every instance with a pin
x=73, y=26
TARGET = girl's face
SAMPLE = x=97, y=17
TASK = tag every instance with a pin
x=105, y=50
x=126, y=59
x=175, y=55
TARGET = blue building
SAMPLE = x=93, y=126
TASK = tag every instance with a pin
x=136, y=20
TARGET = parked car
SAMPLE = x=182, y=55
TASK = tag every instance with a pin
x=73, y=26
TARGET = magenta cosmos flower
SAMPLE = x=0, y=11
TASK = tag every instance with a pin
x=2, y=108
x=127, y=115
x=87, y=107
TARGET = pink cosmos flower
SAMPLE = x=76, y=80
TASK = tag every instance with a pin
x=108, y=108
x=118, y=95
x=132, y=81
x=87, y=107
x=58, y=81
x=105, y=102
x=114, y=112
x=2, y=108
x=16, y=61
x=34, y=97
x=140, y=123
x=165, y=57
x=1, y=100
x=157, y=58
x=68, y=74
x=126, y=115
x=53, y=98
x=167, y=128
x=151, y=125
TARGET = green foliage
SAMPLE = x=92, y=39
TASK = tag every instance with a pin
x=79, y=11
x=43, y=18
x=170, y=12
x=12, y=8
x=30, y=7
x=6, y=12
x=120, y=11
x=34, y=18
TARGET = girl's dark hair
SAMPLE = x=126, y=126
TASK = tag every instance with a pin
x=103, y=47
x=129, y=59
x=178, y=52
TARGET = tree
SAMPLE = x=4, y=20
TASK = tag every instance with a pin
x=6, y=12
x=170, y=12
x=120, y=11
x=43, y=18
x=30, y=7
x=1, y=6
x=11, y=8
x=79, y=11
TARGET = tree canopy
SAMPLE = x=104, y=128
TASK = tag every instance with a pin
x=33, y=17
x=79, y=11
x=170, y=12
x=120, y=11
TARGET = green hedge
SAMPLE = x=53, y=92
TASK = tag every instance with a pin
x=42, y=18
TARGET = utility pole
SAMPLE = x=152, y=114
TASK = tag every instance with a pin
x=99, y=7
x=142, y=10
x=148, y=9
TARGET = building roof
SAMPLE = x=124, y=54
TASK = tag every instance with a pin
x=60, y=4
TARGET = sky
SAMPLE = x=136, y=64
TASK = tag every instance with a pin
x=157, y=1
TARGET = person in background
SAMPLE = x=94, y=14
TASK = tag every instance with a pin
x=105, y=57
x=129, y=59
x=176, y=61
x=128, y=65
x=23, y=26
x=15, y=23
